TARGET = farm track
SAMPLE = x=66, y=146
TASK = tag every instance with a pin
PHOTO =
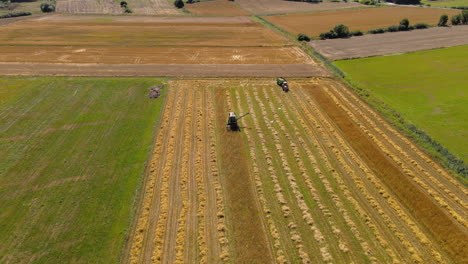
x=299, y=184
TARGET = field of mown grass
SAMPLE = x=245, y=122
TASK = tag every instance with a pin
x=73, y=152
x=447, y=3
x=428, y=88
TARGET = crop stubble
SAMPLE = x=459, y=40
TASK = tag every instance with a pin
x=361, y=19
x=318, y=196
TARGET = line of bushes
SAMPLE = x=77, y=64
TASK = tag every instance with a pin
x=15, y=14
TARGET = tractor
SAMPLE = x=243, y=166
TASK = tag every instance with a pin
x=232, y=121
x=283, y=84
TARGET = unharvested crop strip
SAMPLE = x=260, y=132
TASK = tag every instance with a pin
x=414, y=176
x=279, y=253
x=294, y=235
x=148, y=197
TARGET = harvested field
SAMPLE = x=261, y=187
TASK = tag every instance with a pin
x=265, y=7
x=88, y=7
x=146, y=19
x=319, y=178
x=169, y=70
x=216, y=8
x=144, y=7
x=154, y=7
x=71, y=33
x=362, y=19
x=154, y=55
x=391, y=43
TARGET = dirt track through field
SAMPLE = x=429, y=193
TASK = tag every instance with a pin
x=391, y=43
x=170, y=70
x=322, y=176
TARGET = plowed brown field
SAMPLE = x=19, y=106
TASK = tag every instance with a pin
x=363, y=19
x=265, y=7
x=216, y=8
x=391, y=43
x=314, y=176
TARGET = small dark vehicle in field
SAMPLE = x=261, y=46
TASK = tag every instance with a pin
x=283, y=84
x=232, y=121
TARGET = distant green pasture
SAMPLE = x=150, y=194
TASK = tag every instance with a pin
x=73, y=153
x=446, y=3
x=429, y=89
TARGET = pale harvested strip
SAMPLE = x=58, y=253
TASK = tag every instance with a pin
x=281, y=201
x=392, y=43
x=293, y=185
x=340, y=243
x=178, y=70
x=215, y=183
x=164, y=202
x=89, y=7
x=145, y=217
x=146, y=19
x=185, y=170
x=279, y=250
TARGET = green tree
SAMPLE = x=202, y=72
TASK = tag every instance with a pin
x=443, y=21
x=341, y=31
x=179, y=3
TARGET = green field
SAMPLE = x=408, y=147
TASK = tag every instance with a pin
x=429, y=89
x=73, y=154
x=446, y=3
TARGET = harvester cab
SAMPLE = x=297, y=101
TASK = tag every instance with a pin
x=232, y=124
x=283, y=84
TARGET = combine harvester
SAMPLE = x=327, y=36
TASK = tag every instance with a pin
x=283, y=84
x=232, y=121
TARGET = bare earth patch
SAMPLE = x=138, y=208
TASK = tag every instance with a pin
x=391, y=43
x=265, y=7
x=362, y=19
